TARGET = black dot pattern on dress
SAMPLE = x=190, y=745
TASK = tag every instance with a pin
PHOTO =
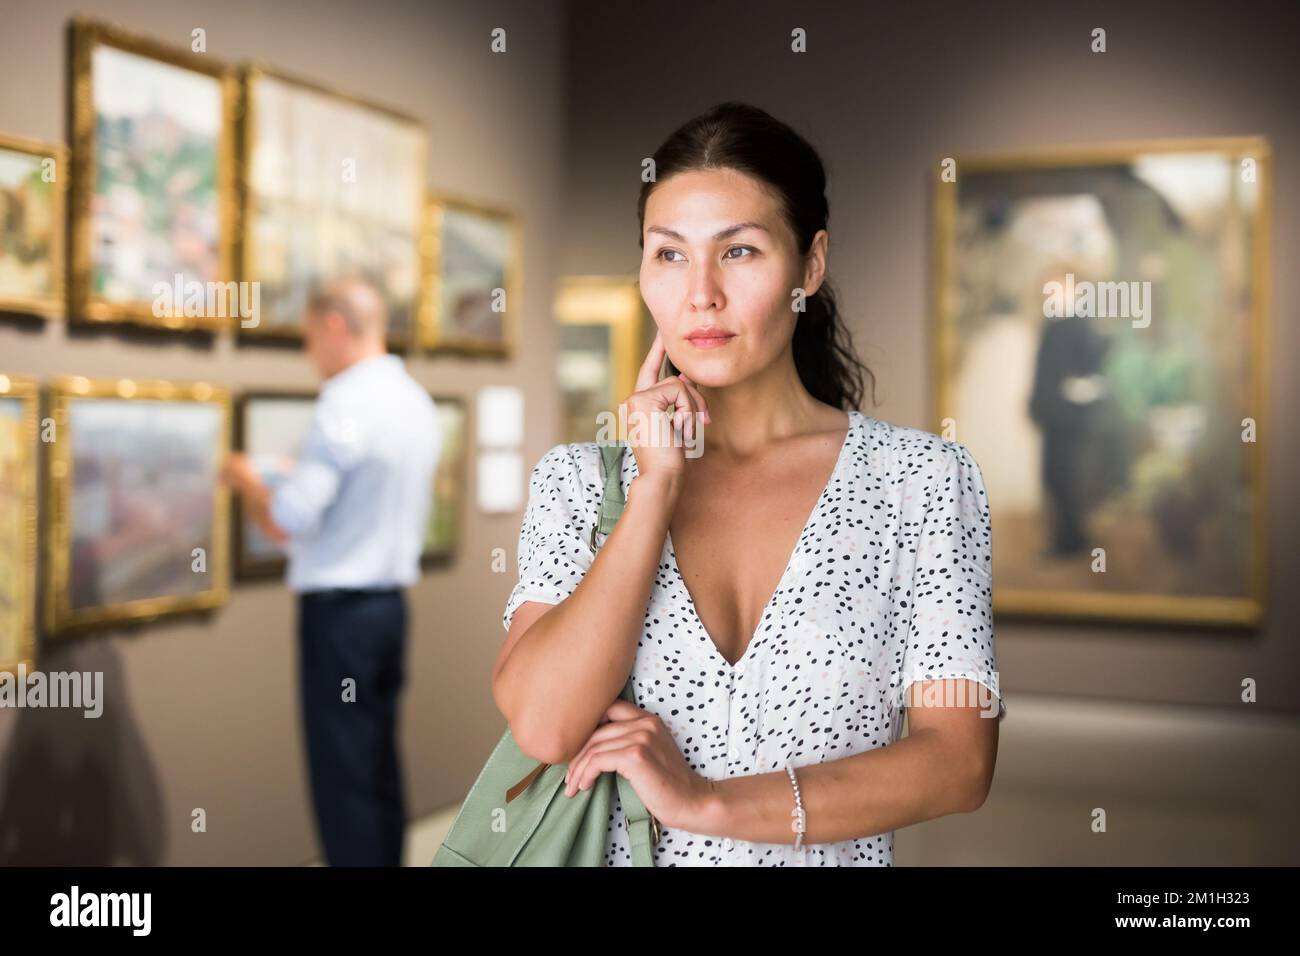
x=889, y=584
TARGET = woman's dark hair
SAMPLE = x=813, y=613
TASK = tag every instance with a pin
x=745, y=138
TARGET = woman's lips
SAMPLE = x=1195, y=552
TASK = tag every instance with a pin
x=710, y=341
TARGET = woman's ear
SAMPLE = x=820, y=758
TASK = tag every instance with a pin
x=815, y=262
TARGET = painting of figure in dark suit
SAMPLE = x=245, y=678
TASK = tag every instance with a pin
x=1100, y=326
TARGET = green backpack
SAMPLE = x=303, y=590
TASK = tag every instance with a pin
x=543, y=827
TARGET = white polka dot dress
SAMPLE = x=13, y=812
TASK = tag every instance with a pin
x=890, y=583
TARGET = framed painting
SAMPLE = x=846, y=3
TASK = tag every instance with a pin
x=18, y=443
x=137, y=519
x=473, y=258
x=442, y=534
x=270, y=427
x=153, y=182
x=33, y=180
x=330, y=186
x=602, y=325
x=1101, y=346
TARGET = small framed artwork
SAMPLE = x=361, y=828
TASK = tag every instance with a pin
x=330, y=186
x=33, y=180
x=18, y=442
x=1101, y=344
x=473, y=278
x=602, y=325
x=137, y=519
x=270, y=427
x=443, y=534
x=153, y=182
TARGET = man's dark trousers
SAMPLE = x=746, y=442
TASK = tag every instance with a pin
x=351, y=729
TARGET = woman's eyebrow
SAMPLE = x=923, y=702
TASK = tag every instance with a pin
x=717, y=236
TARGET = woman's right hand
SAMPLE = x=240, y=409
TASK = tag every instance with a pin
x=661, y=416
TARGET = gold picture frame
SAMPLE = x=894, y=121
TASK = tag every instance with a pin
x=247, y=247
x=53, y=304
x=84, y=303
x=21, y=430
x=437, y=333
x=612, y=304
x=60, y=616
x=1242, y=610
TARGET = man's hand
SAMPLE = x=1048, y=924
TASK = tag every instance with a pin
x=239, y=474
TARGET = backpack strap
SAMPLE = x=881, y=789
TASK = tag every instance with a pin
x=642, y=827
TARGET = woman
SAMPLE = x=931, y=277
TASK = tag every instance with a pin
x=774, y=597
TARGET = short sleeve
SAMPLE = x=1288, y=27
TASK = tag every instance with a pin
x=554, y=552
x=951, y=629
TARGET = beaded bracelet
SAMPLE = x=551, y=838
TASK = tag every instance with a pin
x=800, y=823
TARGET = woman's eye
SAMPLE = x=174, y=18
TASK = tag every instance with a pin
x=664, y=252
x=746, y=249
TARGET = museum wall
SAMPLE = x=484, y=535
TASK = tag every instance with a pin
x=883, y=103
x=202, y=712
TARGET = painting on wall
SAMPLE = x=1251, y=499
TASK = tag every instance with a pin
x=330, y=186
x=32, y=180
x=1101, y=332
x=602, y=326
x=138, y=520
x=18, y=444
x=443, y=532
x=153, y=198
x=473, y=278
x=271, y=428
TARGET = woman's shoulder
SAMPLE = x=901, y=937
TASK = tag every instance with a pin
x=909, y=452
x=573, y=467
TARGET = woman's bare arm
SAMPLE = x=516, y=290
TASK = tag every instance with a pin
x=563, y=664
x=944, y=765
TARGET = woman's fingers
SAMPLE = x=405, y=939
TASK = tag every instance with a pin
x=608, y=736
x=684, y=406
x=701, y=404
x=648, y=375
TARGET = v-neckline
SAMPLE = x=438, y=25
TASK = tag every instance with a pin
x=855, y=418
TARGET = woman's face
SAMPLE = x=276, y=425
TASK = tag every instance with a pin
x=718, y=272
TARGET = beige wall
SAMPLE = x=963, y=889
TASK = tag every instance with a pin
x=203, y=712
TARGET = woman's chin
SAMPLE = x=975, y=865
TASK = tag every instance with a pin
x=701, y=373
x=709, y=370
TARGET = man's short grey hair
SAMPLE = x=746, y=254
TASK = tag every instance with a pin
x=359, y=303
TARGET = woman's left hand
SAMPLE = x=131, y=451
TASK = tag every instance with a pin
x=638, y=745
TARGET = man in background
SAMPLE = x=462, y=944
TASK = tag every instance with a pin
x=353, y=515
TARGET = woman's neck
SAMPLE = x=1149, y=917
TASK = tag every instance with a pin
x=749, y=415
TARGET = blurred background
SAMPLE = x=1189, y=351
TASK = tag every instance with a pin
x=1126, y=696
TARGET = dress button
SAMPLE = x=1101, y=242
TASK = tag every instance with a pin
x=727, y=844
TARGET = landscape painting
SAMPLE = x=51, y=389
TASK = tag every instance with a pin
x=472, y=278
x=139, y=520
x=332, y=186
x=153, y=186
